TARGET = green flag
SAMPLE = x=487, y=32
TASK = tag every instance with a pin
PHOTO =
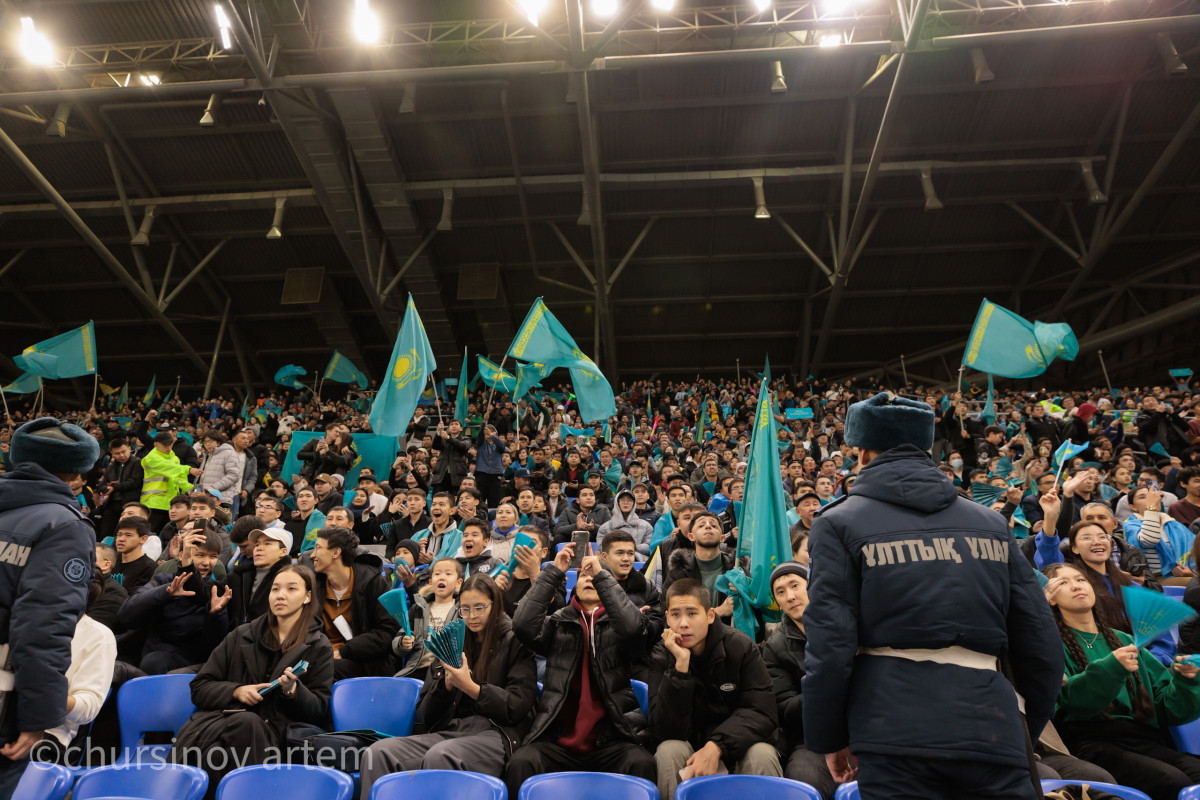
x=460, y=396
x=341, y=370
x=27, y=383
x=408, y=371
x=150, y=392
x=763, y=528
x=543, y=342
x=67, y=355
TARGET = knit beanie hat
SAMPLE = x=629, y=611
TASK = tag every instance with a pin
x=55, y=446
x=886, y=421
x=788, y=568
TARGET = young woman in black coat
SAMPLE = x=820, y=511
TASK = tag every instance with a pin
x=235, y=724
x=473, y=716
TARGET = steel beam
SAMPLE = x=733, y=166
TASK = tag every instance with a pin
x=212, y=370
x=196, y=270
x=39, y=180
x=1049, y=234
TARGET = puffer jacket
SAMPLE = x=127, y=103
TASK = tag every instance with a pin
x=371, y=624
x=875, y=555
x=635, y=526
x=507, y=699
x=221, y=472
x=784, y=655
x=618, y=637
x=177, y=624
x=725, y=696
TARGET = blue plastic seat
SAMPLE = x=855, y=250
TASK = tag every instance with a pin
x=720, y=787
x=1187, y=737
x=572, y=579
x=176, y=781
x=448, y=783
x=1174, y=592
x=642, y=691
x=150, y=704
x=847, y=791
x=290, y=781
x=586, y=786
x=1120, y=791
x=1190, y=793
x=43, y=782
x=387, y=705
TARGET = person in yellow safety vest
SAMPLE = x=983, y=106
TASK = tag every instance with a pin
x=164, y=478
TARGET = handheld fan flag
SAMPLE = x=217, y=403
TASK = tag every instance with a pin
x=522, y=540
x=1150, y=613
x=985, y=494
x=447, y=644
x=395, y=603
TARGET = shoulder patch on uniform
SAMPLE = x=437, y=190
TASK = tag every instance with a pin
x=728, y=687
x=75, y=570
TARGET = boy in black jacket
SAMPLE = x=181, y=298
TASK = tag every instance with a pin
x=711, y=704
x=588, y=718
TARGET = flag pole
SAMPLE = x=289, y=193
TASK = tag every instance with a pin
x=95, y=388
x=437, y=401
x=492, y=393
x=1107, y=382
x=903, y=369
x=7, y=416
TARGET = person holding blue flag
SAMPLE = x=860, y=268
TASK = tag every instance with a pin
x=915, y=596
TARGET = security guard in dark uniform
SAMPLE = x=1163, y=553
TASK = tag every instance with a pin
x=47, y=552
x=916, y=596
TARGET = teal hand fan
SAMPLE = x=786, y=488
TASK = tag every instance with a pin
x=985, y=494
x=521, y=540
x=446, y=644
x=395, y=603
x=1151, y=613
x=1108, y=493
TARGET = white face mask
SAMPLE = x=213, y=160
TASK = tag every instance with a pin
x=956, y=463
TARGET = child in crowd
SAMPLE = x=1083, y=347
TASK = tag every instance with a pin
x=432, y=607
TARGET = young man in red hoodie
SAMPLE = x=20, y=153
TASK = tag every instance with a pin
x=588, y=719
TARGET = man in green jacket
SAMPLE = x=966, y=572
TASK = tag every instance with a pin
x=164, y=478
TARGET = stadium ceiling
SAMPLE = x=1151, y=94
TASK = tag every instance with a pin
x=832, y=183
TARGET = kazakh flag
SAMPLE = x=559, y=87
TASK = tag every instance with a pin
x=27, y=383
x=341, y=370
x=763, y=527
x=462, y=392
x=543, y=341
x=493, y=376
x=1003, y=343
x=167, y=399
x=408, y=371
x=288, y=375
x=149, y=392
x=988, y=414
x=528, y=377
x=242, y=413
x=123, y=400
x=106, y=390
x=67, y=355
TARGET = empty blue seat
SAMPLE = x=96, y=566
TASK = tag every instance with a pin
x=1190, y=793
x=572, y=579
x=720, y=787
x=1174, y=592
x=290, y=781
x=1187, y=737
x=447, y=783
x=43, y=782
x=847, y=791
x=176, y=781
x=642, y=691
x=387, y=705
x=150, y=704
x=1120, y=791
x=587, y=786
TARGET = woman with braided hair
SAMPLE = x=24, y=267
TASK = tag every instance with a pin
x=1117, y=700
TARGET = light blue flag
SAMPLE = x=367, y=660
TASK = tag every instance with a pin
x=543, y=341
x=493, y=376
x=1003, y=343
x=67, y=355
x=989, y=406
x=1066, y=451
x=763, y=527
x=408, y=371
x=341, y=370
x=27, y=383
x=370, y=450
x=462, y=393
x=146, y=398
x=123, y=400
x=566, y=430
x=529, y=376
x=291, y=464
x=167, y=399
x=287, y=375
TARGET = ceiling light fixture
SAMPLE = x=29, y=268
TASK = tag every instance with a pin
x=365, y=22
x=34, y=45
x=223, y=26
x=760, y=200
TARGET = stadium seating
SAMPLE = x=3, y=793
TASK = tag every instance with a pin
x=720, y=787
x=150, y=704
x=43, y=782
x=586, y=786
x=290, y=781
x=438, y=783
x=387, y=705
x=643, y=695
x=174, y=781
x=1124, y=792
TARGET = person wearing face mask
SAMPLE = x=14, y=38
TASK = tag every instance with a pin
x=956, y=464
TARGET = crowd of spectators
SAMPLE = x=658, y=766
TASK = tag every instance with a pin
x=210, y=560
